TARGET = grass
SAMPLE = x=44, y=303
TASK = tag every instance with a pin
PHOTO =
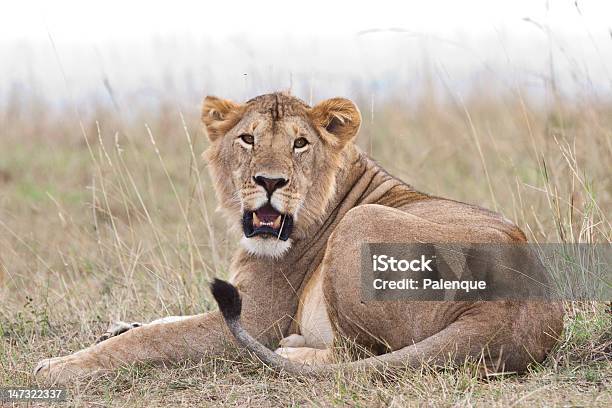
x=104, y=216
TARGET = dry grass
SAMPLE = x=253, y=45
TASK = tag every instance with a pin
x=106, y=216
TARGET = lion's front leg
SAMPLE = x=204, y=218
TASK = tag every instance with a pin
x=169, y=341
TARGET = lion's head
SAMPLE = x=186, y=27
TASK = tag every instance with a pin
x=274, y=162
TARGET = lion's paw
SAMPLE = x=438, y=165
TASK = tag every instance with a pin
x=117, y=328
x=61, y=370
x=293, y=340
x=305, y=355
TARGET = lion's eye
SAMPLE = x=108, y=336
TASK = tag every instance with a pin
x=248, y=139
x=300, y=142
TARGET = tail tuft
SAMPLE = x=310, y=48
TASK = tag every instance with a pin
x=227, y=298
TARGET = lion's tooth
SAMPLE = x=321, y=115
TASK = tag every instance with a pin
x=256, y=221
x=277, y=222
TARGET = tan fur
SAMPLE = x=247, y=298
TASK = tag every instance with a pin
x=340, y=199
x=312, y=320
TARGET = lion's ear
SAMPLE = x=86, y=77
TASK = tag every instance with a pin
x=338, y=117
x=219, y=116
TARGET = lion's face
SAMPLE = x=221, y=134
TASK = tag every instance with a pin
x=274, y=162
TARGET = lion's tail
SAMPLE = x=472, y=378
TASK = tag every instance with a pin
x=230, y=304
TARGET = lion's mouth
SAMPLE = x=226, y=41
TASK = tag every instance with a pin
x=267, y=221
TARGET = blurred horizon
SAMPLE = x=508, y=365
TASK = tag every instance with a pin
x=71, y=54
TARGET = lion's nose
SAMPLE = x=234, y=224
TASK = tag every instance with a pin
x=270, y=184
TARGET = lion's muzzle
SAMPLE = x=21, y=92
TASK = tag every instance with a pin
x=267, y=221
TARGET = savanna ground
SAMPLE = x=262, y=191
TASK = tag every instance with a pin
x=106, y=215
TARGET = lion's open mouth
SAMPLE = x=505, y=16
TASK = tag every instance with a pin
x=267, y=221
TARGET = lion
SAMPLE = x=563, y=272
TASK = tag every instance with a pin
x=304, y=198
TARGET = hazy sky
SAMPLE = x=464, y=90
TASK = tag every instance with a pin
x=88, y=21
x=241, y=47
